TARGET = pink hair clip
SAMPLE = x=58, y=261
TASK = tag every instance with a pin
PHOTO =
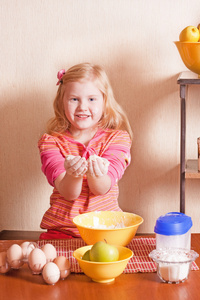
x=60, y=75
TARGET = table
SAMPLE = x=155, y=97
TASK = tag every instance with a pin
x=22, y=285
x=19, y=235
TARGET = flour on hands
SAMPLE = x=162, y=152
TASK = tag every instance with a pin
x=97, y=166
x=75, y=166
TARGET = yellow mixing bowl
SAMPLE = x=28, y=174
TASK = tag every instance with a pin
x=116, y=227
x=190, y=54
x=103, y=272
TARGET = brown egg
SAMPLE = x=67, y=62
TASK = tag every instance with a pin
x=64, y=266
x=4, y=266
x=15, y=256
x=50, y=252
x=51, y=273
x=36, y=260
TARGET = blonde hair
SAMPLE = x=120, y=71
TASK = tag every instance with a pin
x=113, y=116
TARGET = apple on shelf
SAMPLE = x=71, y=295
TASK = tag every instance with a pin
x=189, y=34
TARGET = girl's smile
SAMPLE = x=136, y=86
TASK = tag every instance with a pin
x=83, y=105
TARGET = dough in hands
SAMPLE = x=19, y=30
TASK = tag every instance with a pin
x=94, y=158
x=69, y=157
x=91, y=158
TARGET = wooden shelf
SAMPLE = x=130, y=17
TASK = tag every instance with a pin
x=188, y=78
x=188, y=169
x=191, y=171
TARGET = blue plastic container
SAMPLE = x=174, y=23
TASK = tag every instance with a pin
x=173, y=230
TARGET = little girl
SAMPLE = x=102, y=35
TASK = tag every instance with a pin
x=85, y=150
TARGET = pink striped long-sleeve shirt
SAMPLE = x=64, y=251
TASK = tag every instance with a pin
x=114, y=145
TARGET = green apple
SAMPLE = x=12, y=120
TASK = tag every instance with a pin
x=86, y=255
x=189, y=34
x=103, y=252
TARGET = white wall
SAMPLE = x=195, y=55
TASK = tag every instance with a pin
x=133, y=40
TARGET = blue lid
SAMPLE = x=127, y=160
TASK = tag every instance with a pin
x=173, y=223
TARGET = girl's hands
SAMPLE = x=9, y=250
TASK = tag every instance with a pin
x=75, y=166
x=97, y=166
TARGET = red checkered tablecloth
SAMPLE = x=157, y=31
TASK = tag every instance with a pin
x=140, y=262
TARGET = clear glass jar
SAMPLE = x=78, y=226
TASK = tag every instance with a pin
x=173, y=230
